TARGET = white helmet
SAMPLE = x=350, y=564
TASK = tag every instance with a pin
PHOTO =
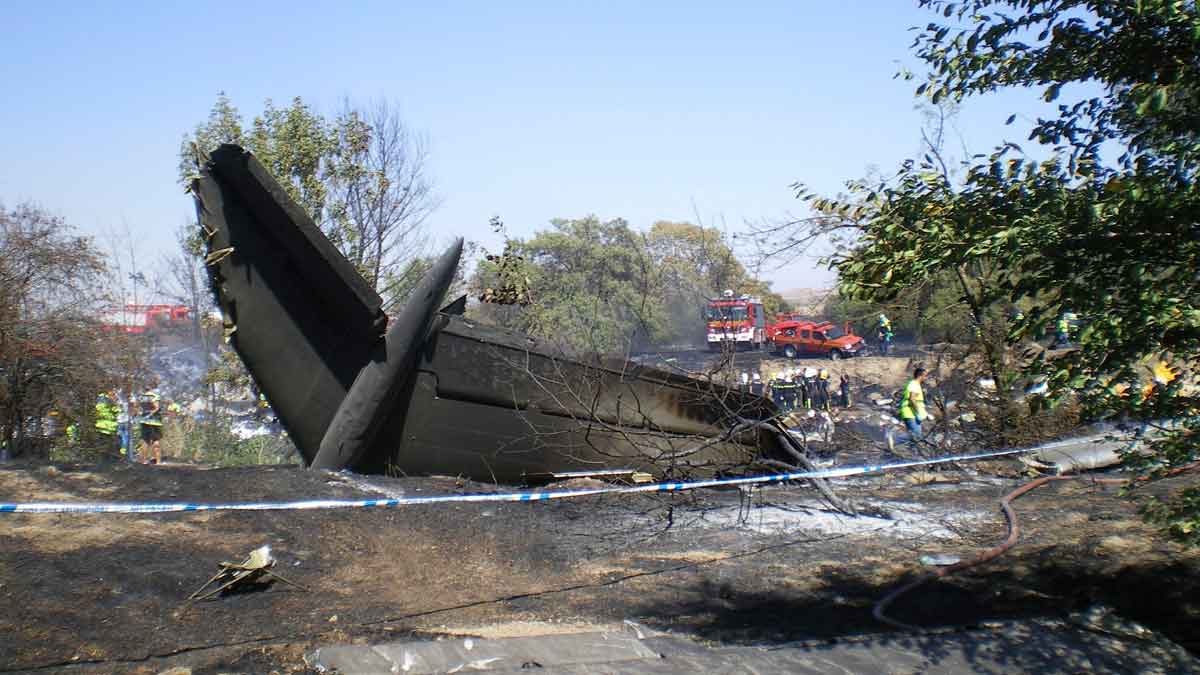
x=810, y=372
x=757, y=377
x=745, y=378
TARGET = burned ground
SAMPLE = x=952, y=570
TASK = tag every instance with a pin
x=105, y=593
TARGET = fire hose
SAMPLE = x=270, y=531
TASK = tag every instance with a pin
x=1014, y=533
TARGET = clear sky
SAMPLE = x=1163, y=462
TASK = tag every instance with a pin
x=639, y=110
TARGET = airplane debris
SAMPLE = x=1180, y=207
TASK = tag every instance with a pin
x=1073, y=459
x=436, y=393
x=235, y=576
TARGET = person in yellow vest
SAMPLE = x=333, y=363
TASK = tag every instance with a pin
x=912, y=406
x=884, y=332
x=1062, y=330
x=107, y=412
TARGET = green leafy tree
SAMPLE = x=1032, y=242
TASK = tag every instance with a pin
x=224, y=125
x=692, y=264
x=603, y=286
x=591, y=283
x=1105, y=226
x=362, y=176
x=293, y=144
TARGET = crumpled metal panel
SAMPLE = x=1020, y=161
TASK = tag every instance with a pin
x=455, y=398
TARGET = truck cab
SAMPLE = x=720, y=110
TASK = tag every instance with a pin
x=795, y=338
x=737, y=320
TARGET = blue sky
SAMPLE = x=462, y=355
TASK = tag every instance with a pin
x=645, y=111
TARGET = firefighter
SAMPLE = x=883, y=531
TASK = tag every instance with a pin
x=785, y=392
x=756, y=385
x=809, y=384
x=151, y=423
x=844, y=391
x=796, y=400
x=884, y=333
x=745, y=386
x=822, y=395
x=107, y=412
x=775, y=390
x=912, y=406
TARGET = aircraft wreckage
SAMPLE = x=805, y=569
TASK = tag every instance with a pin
x=431, y=392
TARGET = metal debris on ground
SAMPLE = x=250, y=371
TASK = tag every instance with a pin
x=255, y=569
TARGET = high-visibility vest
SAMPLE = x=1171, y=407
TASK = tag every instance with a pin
x=912, y=404
x=106, y=418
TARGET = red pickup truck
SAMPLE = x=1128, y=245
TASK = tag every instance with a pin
x=796, y=338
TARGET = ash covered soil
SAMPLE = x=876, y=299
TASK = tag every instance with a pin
x=106, y=593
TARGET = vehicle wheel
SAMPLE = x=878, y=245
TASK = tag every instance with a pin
x=835, y=354
x=789, y=351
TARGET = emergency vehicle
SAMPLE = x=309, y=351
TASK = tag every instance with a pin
x=738, y=320
x=137, y=319
x=798, y=337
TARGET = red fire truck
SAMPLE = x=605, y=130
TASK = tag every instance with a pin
x=140, y=318
x=737, y=320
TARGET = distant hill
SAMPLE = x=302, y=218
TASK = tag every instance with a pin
x=807, y=300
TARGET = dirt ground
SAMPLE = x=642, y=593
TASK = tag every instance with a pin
x=106, y=593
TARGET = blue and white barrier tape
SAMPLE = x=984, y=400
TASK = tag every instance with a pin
x=542, y=495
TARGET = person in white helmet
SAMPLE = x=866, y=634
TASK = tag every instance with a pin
x=756, y=385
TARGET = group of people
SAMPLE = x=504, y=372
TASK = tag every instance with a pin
x=796, y=389
x=118, y=420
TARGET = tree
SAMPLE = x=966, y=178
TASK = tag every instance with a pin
x=1107, y=226
x=592, y=286
x=696, y=263
x=53, y=356
x=603, y=286
x=362, y=176
x=381, y=195
x=184, y=280
x=295, y=145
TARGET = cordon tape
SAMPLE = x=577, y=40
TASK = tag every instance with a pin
x=534, y=496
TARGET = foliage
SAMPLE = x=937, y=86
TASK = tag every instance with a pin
x=54, y=359
x=602, y=286
x=362, y=176
x=1116, y=241
x=590, y=281
x=212, y=442
x=931, y=311
x=695, y=263
x=293, y=144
